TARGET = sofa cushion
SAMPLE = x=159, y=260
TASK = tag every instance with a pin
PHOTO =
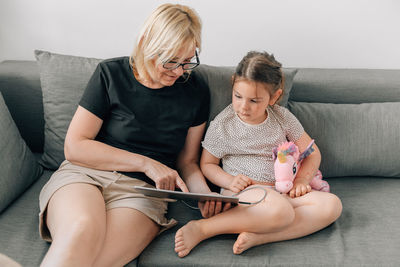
x=19, y=224
x=346, y=86
x=19, y=168
x=20, y=86
x=365, y=234
x=370, y=130
x=63, y=79
x=219, y=80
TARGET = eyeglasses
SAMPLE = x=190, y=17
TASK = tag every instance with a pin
x=171, y=65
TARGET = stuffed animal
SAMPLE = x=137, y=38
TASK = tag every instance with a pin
x=287, y=162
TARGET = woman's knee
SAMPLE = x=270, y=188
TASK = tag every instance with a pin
x=82, y=229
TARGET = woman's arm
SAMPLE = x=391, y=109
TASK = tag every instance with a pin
x=308, y=168
x=188, y=167
x=81, y=149
x=188, y=161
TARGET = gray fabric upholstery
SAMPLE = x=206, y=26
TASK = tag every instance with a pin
x=20, y=86
x=7, y=262
x=18, y=165
x=365, y=235
x=351, y=137
x=346, y=86
x=219, y=80
x=19, y=226
x=63, y=80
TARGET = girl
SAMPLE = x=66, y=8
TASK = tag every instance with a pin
x=242, y=136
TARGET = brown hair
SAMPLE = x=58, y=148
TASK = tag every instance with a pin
x=261, y=67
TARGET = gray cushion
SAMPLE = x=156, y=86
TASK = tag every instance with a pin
x=354, y=139
x=18, y=165
x=63, y=79
x=219, y=80
x=351, y=86
x=19, y=81
x=364, y=235
x=19, y=224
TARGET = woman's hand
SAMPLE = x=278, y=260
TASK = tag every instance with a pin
x=300, y=188
x=164, y=176
x=240, y=182
x=211, y=208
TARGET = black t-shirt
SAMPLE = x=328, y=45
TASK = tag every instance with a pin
x=150, y=122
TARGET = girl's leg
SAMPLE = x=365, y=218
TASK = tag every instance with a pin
x=76, y=219
x=273, y=214
x=128, y=232
x=313, y=212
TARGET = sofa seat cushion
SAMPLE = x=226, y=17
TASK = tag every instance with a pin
x=365, y=234
x=19, y=168
x=19, y=224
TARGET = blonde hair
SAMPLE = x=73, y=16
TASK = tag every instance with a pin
x=166, y=31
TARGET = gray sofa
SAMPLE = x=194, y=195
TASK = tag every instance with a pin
x=353, y=114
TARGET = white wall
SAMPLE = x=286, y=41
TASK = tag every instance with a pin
x=302, y=33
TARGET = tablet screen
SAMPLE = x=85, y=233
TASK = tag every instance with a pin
x=162, y=193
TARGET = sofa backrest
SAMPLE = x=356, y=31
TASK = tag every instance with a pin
x=346, y=86
x=353, y=116
x=351, y=113
x=20, y=86
x=219, y=80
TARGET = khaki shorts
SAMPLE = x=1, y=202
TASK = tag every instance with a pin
x=117, y=189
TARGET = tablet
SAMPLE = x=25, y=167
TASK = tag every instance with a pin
x=162, y=193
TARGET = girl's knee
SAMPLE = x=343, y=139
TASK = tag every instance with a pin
x=331, y=207
x=282, y=213
x=337, y=206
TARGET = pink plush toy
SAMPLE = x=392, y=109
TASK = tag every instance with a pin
x=287, y=162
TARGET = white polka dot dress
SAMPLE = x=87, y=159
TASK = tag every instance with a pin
x=247, y=149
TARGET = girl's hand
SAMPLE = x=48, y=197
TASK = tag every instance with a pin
x=164, y=176
x=300, y=188
x=211, y=208
x=240, y=182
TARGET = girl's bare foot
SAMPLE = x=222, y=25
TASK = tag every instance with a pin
x=248, y=240
x=187, y=238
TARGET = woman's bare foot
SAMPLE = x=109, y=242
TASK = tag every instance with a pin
x=187, y=238
x=248, y=240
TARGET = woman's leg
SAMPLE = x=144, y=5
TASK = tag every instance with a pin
x=76, y=219
x=313, y=212
x=273, y=214
x=128, y=232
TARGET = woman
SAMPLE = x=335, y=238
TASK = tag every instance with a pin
x=139, y=119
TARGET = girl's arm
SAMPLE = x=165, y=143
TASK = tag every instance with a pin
x=210, y=166
x=308, y=168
